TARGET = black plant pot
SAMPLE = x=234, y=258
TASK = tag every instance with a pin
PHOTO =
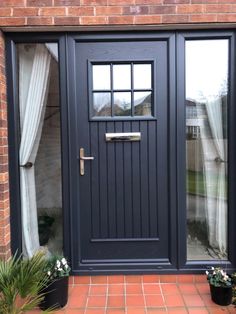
x=56, y=294
x=221, y=295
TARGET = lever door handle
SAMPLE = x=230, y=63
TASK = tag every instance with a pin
x=87, y=158
x=82, y=159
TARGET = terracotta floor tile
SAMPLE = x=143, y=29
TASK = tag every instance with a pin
x=116, y=279
x=151, y=278
x=207, y=300
x=95, y=311
x=197, y=310
x=151, y=288
x=169, y=289
x=168, y=278
x=81, y=279
x=200, y=278
x=135, y=300
x=159, y=310
x=173, y=300
x=71, y=280
x=77, y=301
x=203, y=288
x=98, y=290
x=185, y=278
x=193, y=300
x=133, y=279
x=133, y=289
x=232, y=309
x=188, y=289
x=116, y=311
x=96, y=301
x=78, y=290
x=99, y=279
x=135, y=310
x=116, y=301
x=154, y=300
x=116, y=289
x=70, y=289
x=177, y=310
x=73, y=311
x=217, y=310
x=144, y=295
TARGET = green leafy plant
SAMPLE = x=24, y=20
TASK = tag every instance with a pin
x=57, y=267
x=21, y=283
x=218, y=277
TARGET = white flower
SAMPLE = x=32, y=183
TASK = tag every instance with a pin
x=212, y=268
x=58, y=264
x=49, y=273
x=64, y=262
x=207, y=272
x=66, y=266
x=60, y=269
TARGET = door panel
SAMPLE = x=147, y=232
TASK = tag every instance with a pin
x=123, y=203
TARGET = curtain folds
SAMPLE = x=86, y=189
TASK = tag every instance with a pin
x=34, y=69
x=215, y=165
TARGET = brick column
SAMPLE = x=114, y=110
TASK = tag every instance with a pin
x=5, y=236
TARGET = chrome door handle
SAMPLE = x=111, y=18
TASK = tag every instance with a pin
x=82, y=159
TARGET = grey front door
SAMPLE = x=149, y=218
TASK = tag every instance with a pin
x=121, y=96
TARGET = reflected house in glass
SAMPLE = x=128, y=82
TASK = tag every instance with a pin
x=198, y=131
x=122, y=107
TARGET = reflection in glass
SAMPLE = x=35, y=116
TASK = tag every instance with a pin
x=101, y=77
x=102, y=104
x=121, y=76
x=206, y=148
x=142, y=76
x=142, y=103
x=122, y=104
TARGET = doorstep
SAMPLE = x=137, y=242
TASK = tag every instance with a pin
x=141, y=294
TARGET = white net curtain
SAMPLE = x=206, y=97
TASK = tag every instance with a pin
x=34, y=73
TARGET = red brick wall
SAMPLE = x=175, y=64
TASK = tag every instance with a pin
x=20, y=13
x=4, y=190
x=110, y=12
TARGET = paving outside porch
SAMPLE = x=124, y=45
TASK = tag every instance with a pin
x=141, y=294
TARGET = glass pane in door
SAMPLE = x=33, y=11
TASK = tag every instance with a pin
x=206, y=148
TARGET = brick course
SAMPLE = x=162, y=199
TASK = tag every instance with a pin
x=82, y=12
x=27, y=13
x=4, y=188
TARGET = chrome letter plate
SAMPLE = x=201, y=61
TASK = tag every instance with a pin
x=123, y=137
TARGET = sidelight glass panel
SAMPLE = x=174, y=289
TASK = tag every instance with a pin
x=142, y=103
x=122, y=76
x=122, y=104
x=101, y=77
x=40, y=148
x=142, y=76
x=206, y=149
x=102, y=104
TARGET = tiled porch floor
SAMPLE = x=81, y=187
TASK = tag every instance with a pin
x=141, y=295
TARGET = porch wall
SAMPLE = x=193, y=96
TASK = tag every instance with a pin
x=48, y=14
x=4, y=187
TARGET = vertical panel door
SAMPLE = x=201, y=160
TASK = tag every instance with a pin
x=121, y=108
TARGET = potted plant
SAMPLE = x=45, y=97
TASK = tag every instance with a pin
x=56, y=290
x=220, y=286
x=21, y=281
